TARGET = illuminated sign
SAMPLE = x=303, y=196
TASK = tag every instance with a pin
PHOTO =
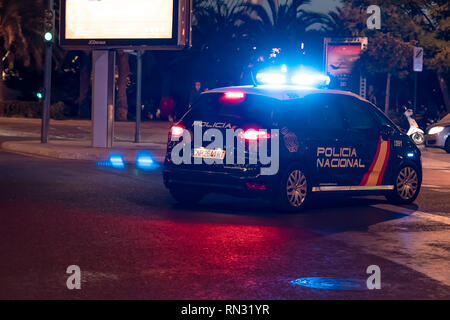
x=340, y=57
x=130, y=23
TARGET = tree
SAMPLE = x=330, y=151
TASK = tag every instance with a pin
x=20, y=35
x=346, y=21
x=123, y=81
x=218, y=38
x=279, y=24
x=415, y=22
x=389, y=55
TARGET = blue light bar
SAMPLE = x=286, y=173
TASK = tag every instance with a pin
x=307, y=79
x=282, y=76
x=271, y=78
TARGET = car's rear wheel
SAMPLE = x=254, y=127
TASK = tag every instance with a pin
x=406, y=187
x=447, y=145
x=295, y=190
x=186, y=196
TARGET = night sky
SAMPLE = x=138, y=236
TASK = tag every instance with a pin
x=323, y=5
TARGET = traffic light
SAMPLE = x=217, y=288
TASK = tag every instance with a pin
x=40, y=93
x=49, y=26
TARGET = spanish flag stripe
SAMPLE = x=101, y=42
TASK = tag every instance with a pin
x=386, y=160
x=366, y=176
x=374, y=175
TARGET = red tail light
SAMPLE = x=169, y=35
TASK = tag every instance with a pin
x=234, y=95
x=254, y=135
x=176, y=131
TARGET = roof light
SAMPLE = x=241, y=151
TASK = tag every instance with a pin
x=284, y=68
x=306, y=79
x=271, y=78
x=234, y=95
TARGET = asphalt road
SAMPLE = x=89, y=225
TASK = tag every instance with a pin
x=131, y=240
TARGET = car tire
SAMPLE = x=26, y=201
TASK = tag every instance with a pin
x=406, y=187
x=187, y=195
x=295, y=190
x=447, y=145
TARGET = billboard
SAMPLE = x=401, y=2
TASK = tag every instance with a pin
x=340, y=57
x=161, y=24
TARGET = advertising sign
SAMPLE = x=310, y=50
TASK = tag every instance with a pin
x=130, y=23
x=340, y=57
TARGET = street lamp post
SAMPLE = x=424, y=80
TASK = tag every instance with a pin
x=137, y=136
x=48, y=38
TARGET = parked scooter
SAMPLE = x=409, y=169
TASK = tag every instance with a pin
x=414, y=132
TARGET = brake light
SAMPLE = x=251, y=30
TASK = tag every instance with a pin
x=176, y=131
x=253, y=135
x=234, y=95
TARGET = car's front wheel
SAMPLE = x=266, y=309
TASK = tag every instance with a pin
x=295, y=190
x=406, y=187
x=186, y=196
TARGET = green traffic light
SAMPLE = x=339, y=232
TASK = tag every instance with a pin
x=48, y=36
x=39, y=95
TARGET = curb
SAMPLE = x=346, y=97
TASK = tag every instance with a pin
x=75, y=150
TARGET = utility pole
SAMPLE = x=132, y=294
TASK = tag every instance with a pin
x=49, y=35
x=137, y=136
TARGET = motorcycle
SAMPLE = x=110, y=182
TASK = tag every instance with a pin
x=414, y=132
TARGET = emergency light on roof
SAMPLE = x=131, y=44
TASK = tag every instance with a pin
x=306, y=79
x=271, y=78
x=282, y=76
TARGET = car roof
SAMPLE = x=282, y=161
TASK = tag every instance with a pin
x=280, y=92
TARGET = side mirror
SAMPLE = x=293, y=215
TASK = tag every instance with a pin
x=386, y=131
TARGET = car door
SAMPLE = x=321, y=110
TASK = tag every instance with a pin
x=325, y=136
x=369, y=151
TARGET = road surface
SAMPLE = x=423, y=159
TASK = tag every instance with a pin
x=131, y=240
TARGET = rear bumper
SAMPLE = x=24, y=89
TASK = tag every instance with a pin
x=235, y=182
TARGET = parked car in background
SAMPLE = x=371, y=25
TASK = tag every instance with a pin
x=438, y=134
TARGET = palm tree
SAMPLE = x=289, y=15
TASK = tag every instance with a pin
x=346, y=21
x=275, y=24
x=20, y=35
x=217, y=35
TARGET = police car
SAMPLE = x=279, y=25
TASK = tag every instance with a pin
x=326, y=141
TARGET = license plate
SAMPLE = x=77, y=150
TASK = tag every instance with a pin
x=209, y=153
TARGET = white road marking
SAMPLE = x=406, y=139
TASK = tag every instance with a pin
x=410, y=212
x=405, y=242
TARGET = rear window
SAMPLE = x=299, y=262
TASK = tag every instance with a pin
x=219, y=107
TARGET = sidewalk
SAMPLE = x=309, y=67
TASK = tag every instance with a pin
x=71, y=139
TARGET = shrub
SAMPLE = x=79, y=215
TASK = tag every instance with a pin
x=30, y=109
